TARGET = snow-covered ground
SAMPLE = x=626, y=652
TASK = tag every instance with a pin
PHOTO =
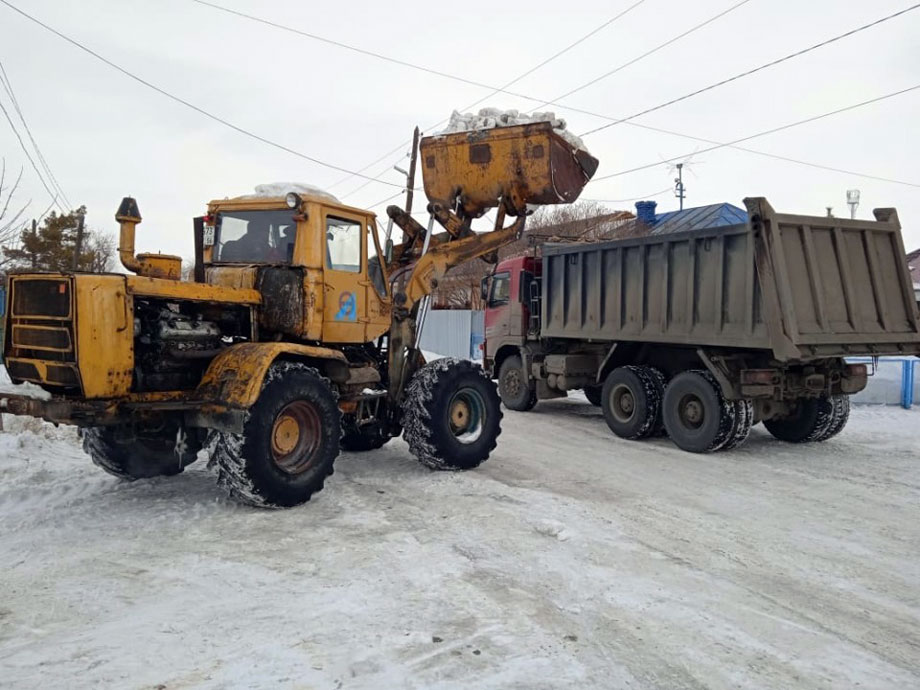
x=569, y=559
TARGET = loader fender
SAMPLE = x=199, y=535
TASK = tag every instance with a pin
x=234, y=378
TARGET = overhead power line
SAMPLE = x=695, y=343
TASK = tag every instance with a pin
x=755, y=70
x=186, y=103
x=8, y=86
x=646, y=54
x=626, y=201
x=25, y=150
x=774, y=130
x=495, y=90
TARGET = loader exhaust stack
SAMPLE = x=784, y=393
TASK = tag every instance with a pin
x=148, y=265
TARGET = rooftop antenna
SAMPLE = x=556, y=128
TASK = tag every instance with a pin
x=680, y=189
x=853, y=201
x=830, y=211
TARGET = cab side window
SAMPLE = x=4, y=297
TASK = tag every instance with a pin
x=343, y=244
x=501, y=289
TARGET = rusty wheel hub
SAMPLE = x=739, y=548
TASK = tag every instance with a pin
x=296, y=437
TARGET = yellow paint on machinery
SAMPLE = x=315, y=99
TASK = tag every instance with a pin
x=235, y=376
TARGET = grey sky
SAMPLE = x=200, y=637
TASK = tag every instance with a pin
x=106, y=136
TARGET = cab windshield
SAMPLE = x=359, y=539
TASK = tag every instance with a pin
x=255, y=237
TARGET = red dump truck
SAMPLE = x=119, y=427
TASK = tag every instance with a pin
x=702, y=334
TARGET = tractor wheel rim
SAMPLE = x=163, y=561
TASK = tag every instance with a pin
x=622, y=403
x=296, y=437
x=466, y=414
x=692, y=413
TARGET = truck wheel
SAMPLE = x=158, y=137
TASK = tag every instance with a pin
x=631, y=402
x=359, y=439
x=594, y=394
x=697, y=418
x=289, y=441
x=808, y=422
x=156, y=452
x=452, y=415
x=513, y=388
x=841, y=416
x=741, y=429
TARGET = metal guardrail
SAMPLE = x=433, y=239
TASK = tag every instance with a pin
x=908, y=374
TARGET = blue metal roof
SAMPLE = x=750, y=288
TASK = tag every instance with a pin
x=712, y=216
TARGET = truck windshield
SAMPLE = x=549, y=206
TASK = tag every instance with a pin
x=255, y=237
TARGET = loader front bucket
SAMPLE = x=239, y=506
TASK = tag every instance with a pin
x=518, y=166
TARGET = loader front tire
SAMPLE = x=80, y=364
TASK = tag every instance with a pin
x=161, y=449
x=452, y=415
x=289, y=442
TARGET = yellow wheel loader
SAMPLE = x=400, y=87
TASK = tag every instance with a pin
x=298, y=334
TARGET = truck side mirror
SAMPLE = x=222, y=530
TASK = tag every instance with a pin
x=388, y=251
x=484, y=288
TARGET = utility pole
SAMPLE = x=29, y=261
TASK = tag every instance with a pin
x=34, y=258
x=679, y=189
x=78, y=246
x=410, y=178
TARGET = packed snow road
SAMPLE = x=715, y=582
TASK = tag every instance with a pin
x=570, y=559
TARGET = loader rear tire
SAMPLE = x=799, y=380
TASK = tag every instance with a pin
x=515, y=391
x=696, y=415
x=140, y=454
x=452, y=415
x=289, y=442
x=809, y=421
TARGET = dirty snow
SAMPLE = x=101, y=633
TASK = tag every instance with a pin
x=490, y=118
x=569, y=559
x=276, y=189
x=25, y=388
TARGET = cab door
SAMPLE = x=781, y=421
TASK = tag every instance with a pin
x=345, y=277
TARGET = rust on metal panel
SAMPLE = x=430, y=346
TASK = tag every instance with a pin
x=519, y=165
x=235, y=376
x=196, y=292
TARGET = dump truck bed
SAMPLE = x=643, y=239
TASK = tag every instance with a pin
x=803, y=287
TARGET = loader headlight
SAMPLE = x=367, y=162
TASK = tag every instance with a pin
x=293, y=200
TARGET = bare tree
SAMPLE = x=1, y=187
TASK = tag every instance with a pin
x=10, y=219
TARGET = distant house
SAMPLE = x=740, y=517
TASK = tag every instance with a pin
x=647, y=222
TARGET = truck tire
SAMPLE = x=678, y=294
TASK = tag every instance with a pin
x=841, y=416
x=741, y=429
x=289, y=442
x=359, y=439
x=452, y=415
x=631, y=402
x=152, y=453
x=697, y=418
x=513, y=388
x=808, y=422
x=594, y=394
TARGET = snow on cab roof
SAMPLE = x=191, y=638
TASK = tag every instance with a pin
x=490, y=118
x=281, y=189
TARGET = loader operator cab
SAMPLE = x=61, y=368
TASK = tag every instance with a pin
x=307, y=255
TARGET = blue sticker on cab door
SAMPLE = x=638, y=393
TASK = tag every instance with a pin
x=348, y=307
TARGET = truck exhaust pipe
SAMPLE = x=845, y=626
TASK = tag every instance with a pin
x=166, y=266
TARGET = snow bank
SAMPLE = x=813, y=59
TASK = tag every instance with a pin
x=276, y=189
x=490, y=118
x=25, y=388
